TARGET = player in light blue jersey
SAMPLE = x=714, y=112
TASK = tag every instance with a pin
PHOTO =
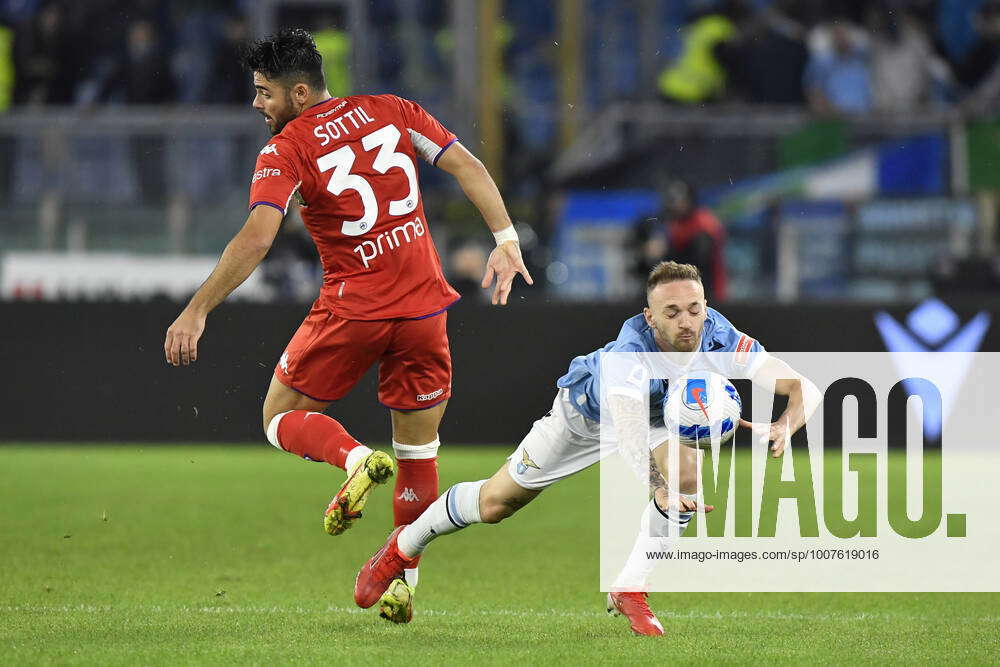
x=637, y=335
x=568, y=439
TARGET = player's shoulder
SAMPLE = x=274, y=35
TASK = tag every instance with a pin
x=382, y=101
x=634, y=335
x=380, y=98
x=407, y=109
x=279, y=148
x=721, y=335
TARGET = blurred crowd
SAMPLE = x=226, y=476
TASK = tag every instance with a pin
x=840, y=57
x=140, y=52
x=834, y=56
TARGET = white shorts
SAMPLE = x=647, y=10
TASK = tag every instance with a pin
x=562, y=443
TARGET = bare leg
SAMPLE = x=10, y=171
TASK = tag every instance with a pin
x=282, y=399
x=501, y=496
x=417, y=427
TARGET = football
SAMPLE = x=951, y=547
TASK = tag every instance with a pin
x=701, y=408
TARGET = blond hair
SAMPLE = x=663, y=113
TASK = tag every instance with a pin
x=669, y=272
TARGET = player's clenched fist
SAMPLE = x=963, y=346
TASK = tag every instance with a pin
x=181, y=344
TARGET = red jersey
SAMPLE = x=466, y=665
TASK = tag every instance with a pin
x=351, y=164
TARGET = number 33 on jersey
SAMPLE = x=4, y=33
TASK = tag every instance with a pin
x=352, y=162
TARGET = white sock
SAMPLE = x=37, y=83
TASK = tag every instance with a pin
x=657, y=532
x=355, y=456
x=428, y=451
x=455, y=509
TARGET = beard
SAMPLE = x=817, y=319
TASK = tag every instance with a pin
x=685, y=344
x=278, y=123
x=281, y=118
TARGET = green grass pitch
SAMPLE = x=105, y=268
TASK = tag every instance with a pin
x=205, y=554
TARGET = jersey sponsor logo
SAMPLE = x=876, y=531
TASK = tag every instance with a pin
x=526, y=463
x=390, y=241
x=264, y=173
x=333, y=110
x=270, y=149
x=431, y=396
x=743, y=350
x=408, y=495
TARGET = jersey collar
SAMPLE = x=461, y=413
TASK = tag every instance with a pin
x=318, y=107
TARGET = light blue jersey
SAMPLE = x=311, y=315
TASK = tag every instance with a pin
x=583, y=378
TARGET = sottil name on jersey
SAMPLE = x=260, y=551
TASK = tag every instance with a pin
x=334, y=129
x=390, y=240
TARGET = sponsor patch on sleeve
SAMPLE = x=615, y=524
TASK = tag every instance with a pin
x=743, y=350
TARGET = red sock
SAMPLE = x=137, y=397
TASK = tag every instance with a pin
x=416, y=488
x=315, y=437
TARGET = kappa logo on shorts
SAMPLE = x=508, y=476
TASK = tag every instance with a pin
x=431, y=396
x=526, y=463
x=283, y=362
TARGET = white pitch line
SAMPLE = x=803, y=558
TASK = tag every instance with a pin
x=465, y=613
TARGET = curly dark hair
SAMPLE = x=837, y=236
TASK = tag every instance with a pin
x=290, y=57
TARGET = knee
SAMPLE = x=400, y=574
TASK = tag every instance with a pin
x=267, y=416
x=270, y=426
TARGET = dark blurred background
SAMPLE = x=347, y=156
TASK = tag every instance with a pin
x=819, y=161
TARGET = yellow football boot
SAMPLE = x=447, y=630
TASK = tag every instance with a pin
x=346, y=506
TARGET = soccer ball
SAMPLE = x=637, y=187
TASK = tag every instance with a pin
x=702, y=407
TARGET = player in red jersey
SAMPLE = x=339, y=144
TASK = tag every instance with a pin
x=351, y=164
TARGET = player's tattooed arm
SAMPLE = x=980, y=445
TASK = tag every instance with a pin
x=656, y=479
x=631, y=421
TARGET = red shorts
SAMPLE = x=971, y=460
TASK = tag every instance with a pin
x=328, y=355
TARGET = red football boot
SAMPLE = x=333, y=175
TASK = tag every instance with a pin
x=633, y=606
x=376, y=575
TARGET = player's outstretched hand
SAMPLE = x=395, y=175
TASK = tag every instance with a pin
x=181, y=345
x=776, y=433
x=666, y=502
x=504, y=263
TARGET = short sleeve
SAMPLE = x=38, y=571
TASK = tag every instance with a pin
x=749, y=354
x=430, y=138
x=275, y=178
x=627, y=373
x=742, y=354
